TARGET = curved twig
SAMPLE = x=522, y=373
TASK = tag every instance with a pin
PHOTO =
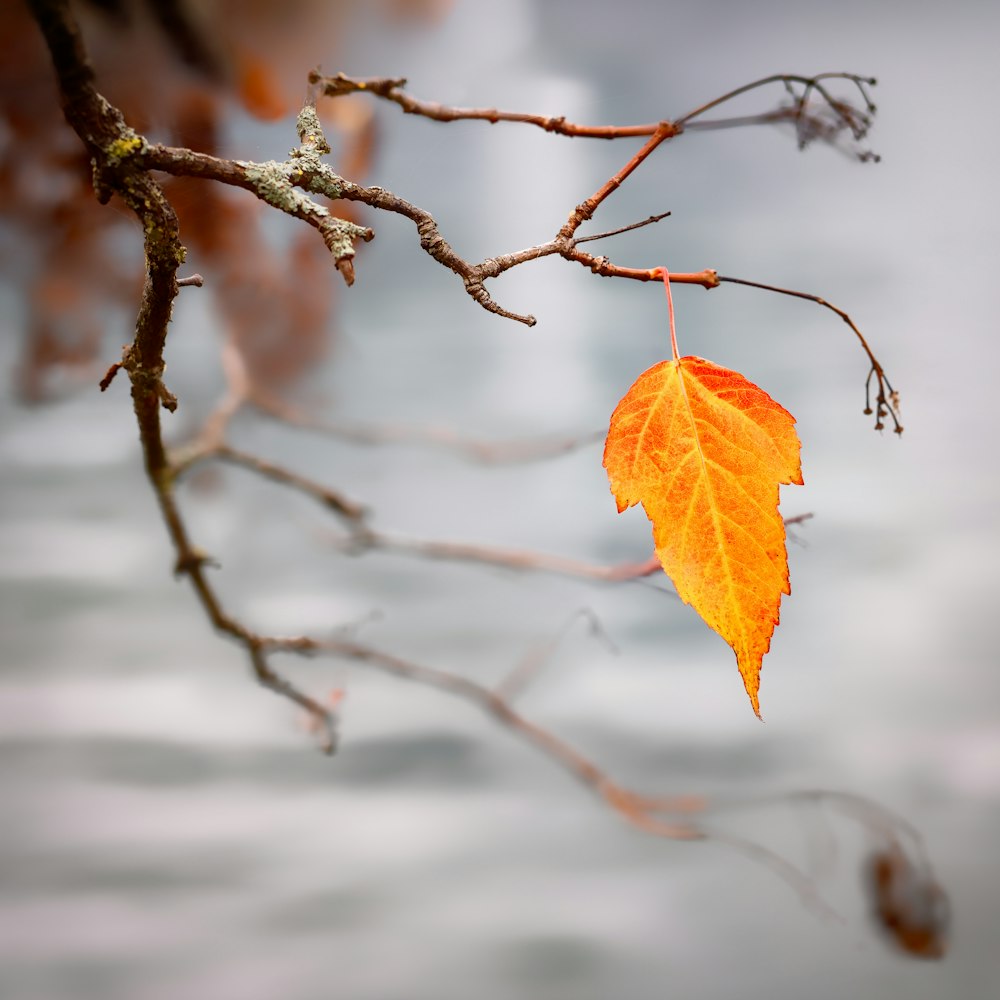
x=887, y=399
x=808, y=82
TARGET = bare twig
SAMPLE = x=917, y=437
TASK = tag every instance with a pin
x=362, y=537
x=520, y=560
x=515, y=683
x=392, y=90
x=514, y=451
x=673, y=818
x=349, y=511
x=809, y=83
x=109, y=376
x=798, y=519
x=908, y=903
x=275, y=183
x=640, y=810
x=827, y=123
x=242, y=393
x=887, y=400
x=622, y=229
x=585, y=210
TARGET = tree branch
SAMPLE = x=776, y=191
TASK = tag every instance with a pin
x=392, y=90
x=887, y=398
x=809, y=125
x=121, y=164
x=112, y=146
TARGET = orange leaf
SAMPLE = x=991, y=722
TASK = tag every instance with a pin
x=704, y=450
x=259, y=88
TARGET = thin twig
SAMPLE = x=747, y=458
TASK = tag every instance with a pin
x=521, y=560
x=513, y=451
x=623, y=229
x=810, y=82
x=585, y=210
x=346, y=509
x=670, y=818
x=527, y=670
x=798, y=519
x=834, y=117
x=887, y=401
x=392, y=90
x=637, y=809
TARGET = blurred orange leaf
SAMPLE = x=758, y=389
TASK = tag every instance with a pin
x=908, y=905
x=259, y=88
x=704, y=451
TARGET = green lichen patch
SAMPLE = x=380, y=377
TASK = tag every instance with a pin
x=124, y=147
x=340, y=235
x=310, y=133
x=273, y=183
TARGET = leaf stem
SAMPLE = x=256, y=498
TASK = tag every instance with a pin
x=662, y=272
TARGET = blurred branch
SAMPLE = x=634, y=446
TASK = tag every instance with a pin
x=833, y=117
x=242, y=393
x=513, y=451
x=360, y=535
x=524, y=560
x=640, y=810
x=532, y=663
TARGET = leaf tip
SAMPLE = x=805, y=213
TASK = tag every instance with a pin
x=751, y=681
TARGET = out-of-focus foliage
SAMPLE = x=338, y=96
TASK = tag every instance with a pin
x=179, y=72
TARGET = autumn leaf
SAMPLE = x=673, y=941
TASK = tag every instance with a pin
x=259, y=88
x=704, y=451
x=908, y=904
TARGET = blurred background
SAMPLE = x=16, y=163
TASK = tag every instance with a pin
x=169, y=828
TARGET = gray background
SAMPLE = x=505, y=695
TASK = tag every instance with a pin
x=168, y=829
